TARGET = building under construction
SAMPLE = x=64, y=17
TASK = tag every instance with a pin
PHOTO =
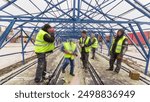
x=21, y=20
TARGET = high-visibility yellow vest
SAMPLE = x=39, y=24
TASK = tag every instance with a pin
x=41, y=46
x=70, y=47
x=95, y=45
x=119, y=45
x=87, y=49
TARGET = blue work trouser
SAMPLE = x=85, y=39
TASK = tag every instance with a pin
x=65, y=64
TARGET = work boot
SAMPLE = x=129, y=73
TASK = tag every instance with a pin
x=117, y=70
x=72, y=74
x=63, y=71
x=92, y=58
x=37, y=80
x=44, y=78
x=109, y=69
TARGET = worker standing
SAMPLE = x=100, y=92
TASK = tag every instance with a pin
x=117, y=50
x=85, y=44
x=94, y=45
x=70, y=52
x=44, y=43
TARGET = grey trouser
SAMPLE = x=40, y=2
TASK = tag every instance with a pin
x=93, y=52
x=41, y=67
x=113, y=58
x=84, y=58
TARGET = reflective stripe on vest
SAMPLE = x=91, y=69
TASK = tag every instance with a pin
x=87, y=49
x=95, y=45
x=70, y=47
x=41, y=46
x=119, y=45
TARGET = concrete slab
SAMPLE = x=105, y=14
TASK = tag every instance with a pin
x=27, y=77
x=110, y=77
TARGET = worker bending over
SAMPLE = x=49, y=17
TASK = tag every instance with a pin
x=70, y=52
x=44, y=43
x=117, y=50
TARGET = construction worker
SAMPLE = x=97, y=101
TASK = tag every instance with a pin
x=94, y=45
x=44, y=43
x=117, y=50
x=100, y=42
x=85, y=44
x=69, y=49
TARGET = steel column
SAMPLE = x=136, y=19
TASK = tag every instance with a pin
x=6, y=32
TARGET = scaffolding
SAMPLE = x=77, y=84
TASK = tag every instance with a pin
x=69, y=17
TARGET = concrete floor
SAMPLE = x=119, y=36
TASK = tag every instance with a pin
x=27, y=77
x=110, y=77
x=81, y=76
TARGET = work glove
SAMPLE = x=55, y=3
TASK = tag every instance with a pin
x=75, y=54
x=82, y=45
x=119, y=56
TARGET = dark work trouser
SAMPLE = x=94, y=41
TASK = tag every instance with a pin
x=65, y=64
x=93, y=52
x=113, y=58
x=41, y=67
x=84, y=58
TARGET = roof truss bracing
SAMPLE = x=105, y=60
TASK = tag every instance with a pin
x=109, y=14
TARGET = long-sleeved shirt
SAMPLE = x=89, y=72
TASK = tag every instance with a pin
x=62, y=49
x=93, y=41
x=124, y=44
x=89, y=44
x=48, y=38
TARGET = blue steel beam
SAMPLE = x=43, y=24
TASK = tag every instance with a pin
x=103, y=12
x=147, y=64
x=43, y=12
x=29, y=37
x=142, y=6
x=131, y=40
x=74, y=8
x=112, y=8
x=6, y=5
x=126, y=12
x=22, y=9
x=96, y=7
x=12, y=16
x=22, y=44
x=44, y=19
x=143, y=35
x=59, y=9
x=137, y=38
x=36, y=6
x=118, y=24
x=135, y=6
x=6, y=32
x=79, y=8
x=70, y=27
x=9, y=39
x=102, y=35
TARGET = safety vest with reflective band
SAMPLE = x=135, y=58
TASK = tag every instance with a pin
x=95, y=45
x=70, y=47
x=87, y=49
x=41, y=46
x=119, y=45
